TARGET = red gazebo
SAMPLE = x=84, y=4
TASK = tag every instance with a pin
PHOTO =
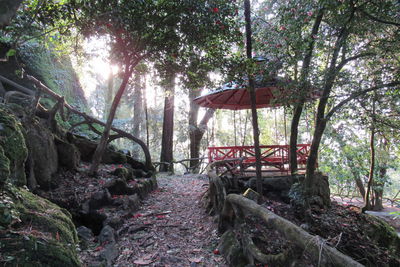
x=273, y=93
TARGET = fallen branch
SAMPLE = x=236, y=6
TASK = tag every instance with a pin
x=17, y=86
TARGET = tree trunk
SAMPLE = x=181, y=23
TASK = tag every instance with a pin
x=294, y=133
x=196, y=133
x=367, y=203
x=166, y=156
x=109, y=95
x=320, y=124
x=193, y=127
x=98, y=154
x=137, y=112
x=256, y=131
x=146, y=115
x=379, y=186
x=303, y=93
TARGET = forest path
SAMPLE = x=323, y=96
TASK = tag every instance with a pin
x=171, y=228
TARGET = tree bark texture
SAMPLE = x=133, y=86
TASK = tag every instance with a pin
x=256, y=131
x=166, y=157
x=137, y=121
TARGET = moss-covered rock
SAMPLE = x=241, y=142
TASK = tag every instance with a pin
x=4, y=168
x=13, y=145
x=39, y=234
x=383, y=234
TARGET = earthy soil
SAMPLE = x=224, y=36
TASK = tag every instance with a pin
x=170, y=229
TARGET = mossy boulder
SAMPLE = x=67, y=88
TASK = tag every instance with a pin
x=13, y=148
x=383, y=234
x=4, y=168
x=39, y=232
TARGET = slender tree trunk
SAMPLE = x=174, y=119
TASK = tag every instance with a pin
x=195, y=138
x=196, y=131
x=109, y=94
x=98, y=154
x=146, y=115
x=256, y=131
x=294, y=133
x=321, y=120
x=298, y=109
x=379, y=186
x=168, y=126
x=378, y=189
x=137, y=112
x=367, y=203
x=193, y=128
x=245, y=129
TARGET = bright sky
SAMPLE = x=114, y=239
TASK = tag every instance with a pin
x=96, y=65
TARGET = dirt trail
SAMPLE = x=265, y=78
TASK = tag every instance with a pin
x=171, y=228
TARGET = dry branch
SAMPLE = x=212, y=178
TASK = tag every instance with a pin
x=17, y=86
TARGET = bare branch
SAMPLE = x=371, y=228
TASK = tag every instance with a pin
x=347, y=60
x=358, y=94
x=380, y=20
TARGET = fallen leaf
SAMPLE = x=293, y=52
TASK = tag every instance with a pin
x=196, y=260
x=142, y=262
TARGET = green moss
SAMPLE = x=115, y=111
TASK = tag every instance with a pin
x=383, y=234
x=29, y=250
x=4, y=167
x=43, y=236
x=13, y=143
x=47, y=215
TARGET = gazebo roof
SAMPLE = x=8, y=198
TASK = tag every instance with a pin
x=235, y=96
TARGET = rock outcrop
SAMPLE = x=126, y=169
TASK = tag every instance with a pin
x=34, y=231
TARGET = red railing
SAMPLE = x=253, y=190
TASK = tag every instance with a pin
x=274, y=157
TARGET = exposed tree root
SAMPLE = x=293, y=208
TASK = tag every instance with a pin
x=322, y=254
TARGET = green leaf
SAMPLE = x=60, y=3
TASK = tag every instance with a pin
x=11, y=53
